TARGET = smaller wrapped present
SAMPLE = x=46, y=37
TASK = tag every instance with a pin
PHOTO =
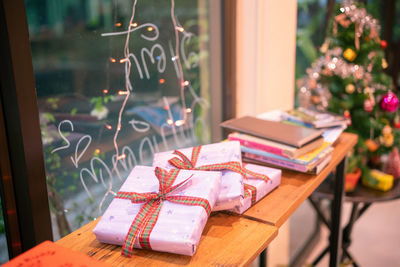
x=378, y=180
x=160, y=210
x=255, y=188
x=225, y=157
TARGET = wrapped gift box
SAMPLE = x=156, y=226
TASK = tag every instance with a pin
x=178, y=228
x=262, y=188
x=232, y=193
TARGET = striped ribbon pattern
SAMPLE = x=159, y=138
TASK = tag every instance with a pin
x=146, y=219
x=190, y=164
x=250, y=189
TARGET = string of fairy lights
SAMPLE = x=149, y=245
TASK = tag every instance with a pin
x=128, y=90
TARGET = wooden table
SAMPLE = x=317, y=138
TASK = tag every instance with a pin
x=236, y=240
x=227, y=240
x=296, y=187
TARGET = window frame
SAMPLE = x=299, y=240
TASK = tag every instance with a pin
x=27, y=188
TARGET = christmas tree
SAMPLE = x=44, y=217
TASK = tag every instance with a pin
x=349, y=79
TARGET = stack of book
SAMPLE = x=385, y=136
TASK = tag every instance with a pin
x=280, y=144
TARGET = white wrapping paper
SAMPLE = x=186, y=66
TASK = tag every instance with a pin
x=178, y=228
x=231, y=193
x=263, y=188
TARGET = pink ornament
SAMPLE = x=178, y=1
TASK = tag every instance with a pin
x=390, y=102
x=368, y=105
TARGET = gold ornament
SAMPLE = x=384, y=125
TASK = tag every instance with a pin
x=350, y=88
x=387, y=137
x=325, y=46
x=349, y=54
x=387, y=140
x=384, y=63
x=386, y=130
x=371, y=145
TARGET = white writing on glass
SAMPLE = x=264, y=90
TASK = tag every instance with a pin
x=127, y=159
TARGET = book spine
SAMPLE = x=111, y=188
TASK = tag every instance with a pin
x=255, y=145
x=277, y=162
x=271, y=155
x=299, y=122
x=322, y=165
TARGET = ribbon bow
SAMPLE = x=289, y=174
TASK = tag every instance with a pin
x=184, y=163
x=146, y=218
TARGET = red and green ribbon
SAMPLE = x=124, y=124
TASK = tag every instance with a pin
x=250, y=189
x=190, y=164
x=146, y=219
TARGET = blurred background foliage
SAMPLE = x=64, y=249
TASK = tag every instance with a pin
x=312, y=25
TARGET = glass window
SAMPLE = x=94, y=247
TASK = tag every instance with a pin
x=116, y=80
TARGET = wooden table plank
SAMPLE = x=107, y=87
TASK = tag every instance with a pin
x=227, y=240
x=295, y=187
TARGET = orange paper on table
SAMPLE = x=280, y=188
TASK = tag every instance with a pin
x=51, y=254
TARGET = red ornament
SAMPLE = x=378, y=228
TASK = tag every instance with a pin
x=347, y=115
x=389, y=102
x=383, y=44
x=396, y=122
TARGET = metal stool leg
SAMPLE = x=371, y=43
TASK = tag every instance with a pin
x=363, y=209
x=347, y=230
x=348, y=255
x=321, y=216
x=335, y=240
x=320, y=256
x=301, y=255
x=346, y=242
x=263, y=258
